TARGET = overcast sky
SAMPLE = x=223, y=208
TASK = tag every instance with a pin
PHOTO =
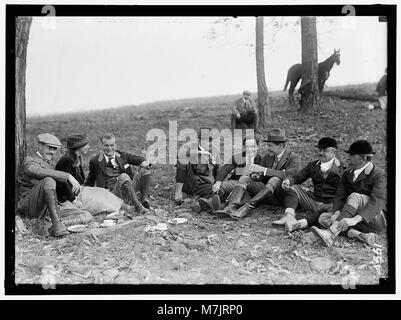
x=91, y=63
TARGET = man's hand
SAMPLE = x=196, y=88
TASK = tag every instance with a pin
x=146, y=164
x=286, y=184
x=216, y=186
x=256, y=168
x=335, y=216
x=74, y=183
x=238, y=115
x=78, y=203
x=345, y=223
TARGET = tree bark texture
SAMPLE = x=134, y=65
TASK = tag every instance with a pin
x=309, y=89
x=263, y=94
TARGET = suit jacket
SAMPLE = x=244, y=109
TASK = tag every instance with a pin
x=34, y=169
x=97, y=167
x=236, y=162
x=289, y=164
x=324, y=188
x=371, y=182
x=243, y=106
x=68, y=163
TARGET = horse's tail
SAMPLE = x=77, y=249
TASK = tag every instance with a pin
x=287, y=81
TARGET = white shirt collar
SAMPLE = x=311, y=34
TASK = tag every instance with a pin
x=357, y=172
x=280, y=155
x=325, y=166
x=38, y=153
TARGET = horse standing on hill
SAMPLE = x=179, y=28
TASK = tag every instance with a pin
x=295, y=73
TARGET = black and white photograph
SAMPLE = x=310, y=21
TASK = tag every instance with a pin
x=235, y=150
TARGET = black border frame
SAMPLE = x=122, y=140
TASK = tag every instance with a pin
x=386, y=285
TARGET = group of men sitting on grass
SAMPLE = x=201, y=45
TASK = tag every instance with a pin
x=348, y=201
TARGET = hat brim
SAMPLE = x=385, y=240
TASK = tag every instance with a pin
x=351, y=152
x=320, y=146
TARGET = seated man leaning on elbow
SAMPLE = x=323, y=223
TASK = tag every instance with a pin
x=111, y=169
x=359, y=202
x=325, y=173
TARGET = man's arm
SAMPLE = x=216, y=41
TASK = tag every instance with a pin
x=377, y=199
x=292, y=167
x=301, y=176
x=341, y=195
x=132, y=158
x=34, y=169
x=223, y=172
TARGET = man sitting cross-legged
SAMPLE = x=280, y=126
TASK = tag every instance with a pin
x=325, y=173
x=111, y=169
x=264, y=182
x=37, y=186
x=360, y=200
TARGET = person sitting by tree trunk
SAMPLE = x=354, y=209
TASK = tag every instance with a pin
x=325, y=173
x=264, y=181
x=244, y=114
x=37, y=186
x=110, y=169
x=359, y=202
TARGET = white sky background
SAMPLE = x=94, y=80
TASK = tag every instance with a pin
x=95, y=63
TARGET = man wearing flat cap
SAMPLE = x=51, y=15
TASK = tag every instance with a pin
x=360, y=200
x=264, y=182
x=37, y=185
x=325, y=173
x=111, y=169
x=244, y=114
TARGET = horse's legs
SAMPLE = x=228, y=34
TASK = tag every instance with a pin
x=291, y=93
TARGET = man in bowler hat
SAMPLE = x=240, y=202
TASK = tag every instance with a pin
x=360, y=200
x=325, y=173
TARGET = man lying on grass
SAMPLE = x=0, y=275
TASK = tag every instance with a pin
x=360, y=200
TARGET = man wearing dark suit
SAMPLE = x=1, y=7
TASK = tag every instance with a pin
x=264, y=182
x=111, y=169
x=325, y=173
x=244, y=114
x=360, y=200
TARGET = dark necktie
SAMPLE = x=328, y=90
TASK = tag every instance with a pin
x=109, y=164
x=275, y=163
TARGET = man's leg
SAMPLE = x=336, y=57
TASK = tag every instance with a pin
x=260, y=192
x=236, y=196
x=43, y=199
x=141, y=183
x=213, y=201
x=180, y=177
x=124, y=189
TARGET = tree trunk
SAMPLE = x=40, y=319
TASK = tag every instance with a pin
x=263, y=94
x=22, y=26
x=309, y=89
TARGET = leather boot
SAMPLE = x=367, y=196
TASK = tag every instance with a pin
x=129, y=196
x=235, y=201
x=211, y=204
x=246, y=209
x=58, y=228
x=144, y=190
x=328, y=235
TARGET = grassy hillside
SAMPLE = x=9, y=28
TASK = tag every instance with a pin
x=248, y=251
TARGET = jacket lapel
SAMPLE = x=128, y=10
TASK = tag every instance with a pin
x=364, y=173
x=102, y=162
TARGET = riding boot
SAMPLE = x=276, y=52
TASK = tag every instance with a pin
x=129, y=196
x=144, y=190
x=252, y=204
x=58, y=227
x=212, y=204
x=235, y=201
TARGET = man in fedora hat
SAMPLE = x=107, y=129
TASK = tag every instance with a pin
x=325, y=173
x=37, y=185
x=244, y=114
x=111, y=169
x=360, y=200
x=264, y=182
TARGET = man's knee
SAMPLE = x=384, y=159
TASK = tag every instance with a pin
x=144, y=171
x=275, y=182
x=325, y=219
x=245, y=180
x=49, y=183
x=123, y=178
x=357, y=200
